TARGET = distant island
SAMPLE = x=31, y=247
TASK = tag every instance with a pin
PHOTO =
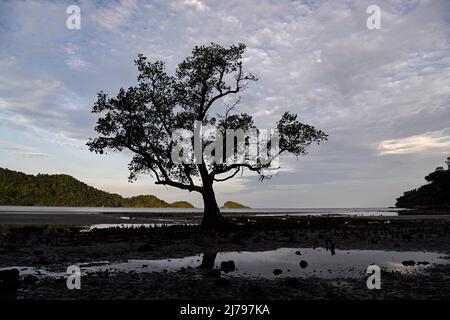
x=20, y=189
x=433, y=195
x=234, y=205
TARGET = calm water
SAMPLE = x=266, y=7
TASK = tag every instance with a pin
x=254, y=211
x=317, y=262
x=167, y=223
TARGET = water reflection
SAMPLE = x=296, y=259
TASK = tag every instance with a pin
x=288, y=262
x=293, y=262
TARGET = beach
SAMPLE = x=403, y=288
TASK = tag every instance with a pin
x=283, y=257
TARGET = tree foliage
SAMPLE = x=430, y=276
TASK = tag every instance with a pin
x=143, y=118
x=434, y=194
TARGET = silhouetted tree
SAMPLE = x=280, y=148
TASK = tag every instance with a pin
x=144, y=117
x=434, y=194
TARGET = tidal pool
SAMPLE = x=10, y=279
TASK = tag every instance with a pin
x=292, y=262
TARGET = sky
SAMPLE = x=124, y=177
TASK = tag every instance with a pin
x=382, y=95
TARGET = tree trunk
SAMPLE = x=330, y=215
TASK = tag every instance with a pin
x=211, y=214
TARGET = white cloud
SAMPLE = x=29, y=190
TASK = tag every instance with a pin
x=22, y=151
x=415, y=144
x=76, y=63
x=198, y=5
x=115, y=16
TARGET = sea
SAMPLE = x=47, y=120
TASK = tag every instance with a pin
x=252, y=211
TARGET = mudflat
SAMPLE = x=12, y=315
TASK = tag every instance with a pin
x=46, y=250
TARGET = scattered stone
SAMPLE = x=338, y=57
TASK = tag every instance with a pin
x=221, y=282
x=408, y=263
x=145, y=248
x=228, y=266
x=298, y=253
x=43, y=262
x=303, y=264
x=423, y=263
x=215, y=273
x=9, y=280
x=292, y=282
x=255, y=289
x=30, y=279
x=277, y=272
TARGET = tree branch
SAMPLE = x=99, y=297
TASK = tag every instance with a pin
x=229, y=177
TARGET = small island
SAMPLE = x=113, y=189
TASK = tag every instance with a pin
x=234, y=205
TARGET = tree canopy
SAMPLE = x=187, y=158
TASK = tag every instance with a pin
x=434, y=194
x=145, y=118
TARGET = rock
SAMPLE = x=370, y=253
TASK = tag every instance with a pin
x=423, y=263
x=42, y=262
x=9, y=280
x=30, y=279
x=303, y=264
x=292, y=282
x=215, y=273
x=408, y=263
x=145, y=248
x=277, y=272
x=255, y=289
x=221, y=282
x=298, y=253
x=227, y=266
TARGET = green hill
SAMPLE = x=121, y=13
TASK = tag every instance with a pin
x=20, y=189
x=181, y=204
x=434, y=194
x=234, y=205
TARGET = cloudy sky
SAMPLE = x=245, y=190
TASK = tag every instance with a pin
x=382, y=95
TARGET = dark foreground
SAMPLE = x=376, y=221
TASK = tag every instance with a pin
x=54, y=248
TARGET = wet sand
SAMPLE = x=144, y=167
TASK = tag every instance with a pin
x=56, y=247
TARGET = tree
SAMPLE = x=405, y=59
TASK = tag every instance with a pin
x=144, y=118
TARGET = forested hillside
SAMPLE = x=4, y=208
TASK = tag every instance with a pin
x=17, y=188
x=434, y=194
